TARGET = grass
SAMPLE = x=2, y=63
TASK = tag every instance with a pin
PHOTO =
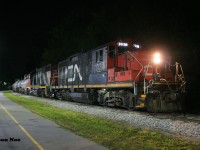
x=111, y=134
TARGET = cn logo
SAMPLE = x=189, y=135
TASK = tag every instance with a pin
x=74, y=70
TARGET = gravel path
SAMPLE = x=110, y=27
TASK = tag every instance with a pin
x=138, y=119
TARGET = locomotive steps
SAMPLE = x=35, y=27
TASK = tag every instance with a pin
x=114, y=134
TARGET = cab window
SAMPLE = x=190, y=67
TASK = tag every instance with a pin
x=99, y=55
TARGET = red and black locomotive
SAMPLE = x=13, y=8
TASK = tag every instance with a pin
x=119, y=73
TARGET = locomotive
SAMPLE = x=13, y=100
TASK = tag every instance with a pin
x=116, y=74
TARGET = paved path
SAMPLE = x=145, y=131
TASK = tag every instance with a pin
x=21, y=129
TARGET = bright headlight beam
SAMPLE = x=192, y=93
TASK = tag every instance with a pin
x=156, y=55
x=157, y=58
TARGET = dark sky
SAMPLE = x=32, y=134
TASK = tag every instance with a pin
x=24, y=27
x=24, y=30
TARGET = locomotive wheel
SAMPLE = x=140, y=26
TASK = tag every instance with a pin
x=104, y=103
x=68, y=97
x=43, y=94
x=131, y=104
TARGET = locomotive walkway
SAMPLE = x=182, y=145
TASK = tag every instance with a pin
x=21, y=129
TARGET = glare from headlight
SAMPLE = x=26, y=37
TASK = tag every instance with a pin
x=157, y=58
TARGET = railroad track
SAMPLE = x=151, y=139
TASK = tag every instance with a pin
x=173, y=116
x=178, y=116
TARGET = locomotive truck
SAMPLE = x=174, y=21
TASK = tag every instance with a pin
x=116, y=74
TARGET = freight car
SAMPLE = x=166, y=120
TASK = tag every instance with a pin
x=22, y=86
x=116, y=74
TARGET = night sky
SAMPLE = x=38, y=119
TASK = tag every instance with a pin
x=25, y=28
x=24, y=31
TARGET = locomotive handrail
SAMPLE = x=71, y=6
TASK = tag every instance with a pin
x=180, y=76
x=139, y=71
x=145, y=74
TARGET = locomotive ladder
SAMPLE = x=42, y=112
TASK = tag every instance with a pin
x=142, y=67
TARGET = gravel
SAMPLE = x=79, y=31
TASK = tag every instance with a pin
x=134, y=118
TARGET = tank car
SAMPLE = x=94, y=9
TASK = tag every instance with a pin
x=15, y=86
x=22, y=86
x=25, y=85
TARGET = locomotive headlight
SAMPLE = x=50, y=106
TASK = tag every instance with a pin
x=157, y=58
